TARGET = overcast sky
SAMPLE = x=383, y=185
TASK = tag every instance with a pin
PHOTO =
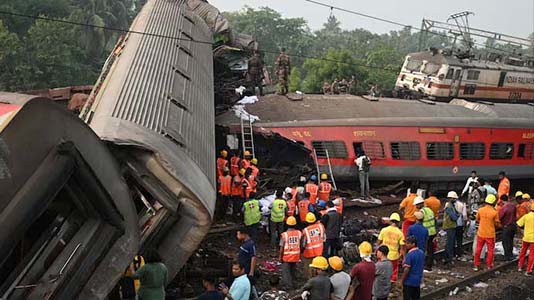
x=514, y=17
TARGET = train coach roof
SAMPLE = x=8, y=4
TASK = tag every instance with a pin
x=439, y=58
x=339, y=110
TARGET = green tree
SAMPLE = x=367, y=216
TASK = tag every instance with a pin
x=295, y=80
x=9, y=51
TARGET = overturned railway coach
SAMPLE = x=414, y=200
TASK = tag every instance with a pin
x=414, y=140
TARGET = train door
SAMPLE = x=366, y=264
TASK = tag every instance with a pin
x=358, y=147
x=455, y=83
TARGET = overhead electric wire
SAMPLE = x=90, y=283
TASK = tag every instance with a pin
x=185, y=39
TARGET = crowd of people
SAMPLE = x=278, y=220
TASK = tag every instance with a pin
x=305, y=223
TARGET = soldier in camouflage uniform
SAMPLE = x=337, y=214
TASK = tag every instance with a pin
x=283, y=69
x=255, y=72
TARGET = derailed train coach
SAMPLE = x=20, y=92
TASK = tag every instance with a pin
x=80, y=200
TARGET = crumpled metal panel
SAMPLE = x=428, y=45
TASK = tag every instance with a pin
x=161, y=85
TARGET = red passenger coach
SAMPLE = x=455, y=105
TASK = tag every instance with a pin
x=405, y=139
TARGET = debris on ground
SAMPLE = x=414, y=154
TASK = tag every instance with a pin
x=481, y=285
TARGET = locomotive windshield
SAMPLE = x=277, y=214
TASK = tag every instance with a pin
x=413, y=65
x=431, y=68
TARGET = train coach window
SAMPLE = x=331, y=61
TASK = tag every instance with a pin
x=450, y=73
x=526, y=151
x=473, y=75
x=472, y=151
x=405, y=151
x=501, y=151
x=336, y=149
x=375, y=150
x=439, y=151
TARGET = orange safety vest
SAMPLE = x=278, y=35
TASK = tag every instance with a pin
x=225, y=185
x=234, y=165
x=504, y=188
x=324, y=190
x=313, y=189
x=255, y=170
x=303, y=209
x=339, y=207
x=314, y=240
x=294, y=194
x=248, y=189
x=291, y=239
x=245, y=163
x=291, y=207
x=221, y=164
x=253, y=181
x=237, y=189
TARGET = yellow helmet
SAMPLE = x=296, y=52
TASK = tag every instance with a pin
x=246, y=153
x=254, y=161
x=324, y=176
x=518, y=193
x=291, y=221
x=310, y=218
x=395, y=217
x=365, y=249
x=525, y=196
x=490, y=199
x=336, y=263
x=242, y=172
x=319, y=262
x=224, y=153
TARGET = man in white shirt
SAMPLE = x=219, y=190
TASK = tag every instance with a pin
x=472, y=178
x=363, y=162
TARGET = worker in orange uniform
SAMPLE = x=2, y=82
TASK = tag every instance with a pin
x=222, y=162
x=304, y=206
x=312, y=188
x=408, y=209
x=433, y=203
x=338, y=202
x=393, y=238
x=225, y=193
x=245, y=162
x=324, y=188
x=527, y=223
x=523, y=205
x=504, y=185
x=254, y=167
x=292, y=209
x=237, y=196
x=313, y=237
x=488, y=220
x=234, y=163
x=290, y=246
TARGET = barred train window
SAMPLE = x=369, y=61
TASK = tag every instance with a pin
x=336, y=149
x=439, y=151
x=472, y=151
x=526, y=151
x=405, y=151
x=375, y=150
x=501, y=151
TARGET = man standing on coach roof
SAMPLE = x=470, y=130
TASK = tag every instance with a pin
x=363, y=163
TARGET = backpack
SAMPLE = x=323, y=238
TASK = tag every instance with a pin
x=366, y=164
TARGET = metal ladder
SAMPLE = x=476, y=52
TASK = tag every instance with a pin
x=247, y=136
x=329, y=168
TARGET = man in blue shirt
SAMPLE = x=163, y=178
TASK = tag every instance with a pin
x=419, y=231
x=247, y=251
x=412, y=276
x=240, y=289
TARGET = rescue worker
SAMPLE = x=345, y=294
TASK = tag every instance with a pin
x=433, y=203
x=335, y=87
x=252, y=215
x=413, y=268
x=312, y=188
x=461, y=208
x=321, y=208
x=429, y=222
x=292, y=209
x=313, y=237
x=235, y=162
x=338, y=203
x=222, y=162
x=407, y=208
x=324, y=188
x=237, y=195
x=450, y=216
x=419, y=230
x=255, y=72
x=527, y=222
x=363, y=273
x=507, y=217
x=225, y=193
x=340, y=280
x=290, y=246
x=278, y=215
x=393, y=238
x=523, y=205
x=488, y=218
x=468, y=187
x=319, y=287
x=332, y=224
x=504, y=185
x=304, y=206
x=283, y=70
x=246, y=185
x=245, y=162
x=254, y=167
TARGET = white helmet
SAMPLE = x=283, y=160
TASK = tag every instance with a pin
x=452, y=194
x=288, y=190
x=418, y=200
